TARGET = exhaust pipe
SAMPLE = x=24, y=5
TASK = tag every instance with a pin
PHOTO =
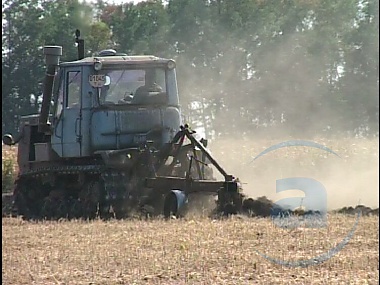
x=52, y=56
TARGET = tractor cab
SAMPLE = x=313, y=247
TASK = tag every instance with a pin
x=107, y=102
x=110, y=80
x=112, y=101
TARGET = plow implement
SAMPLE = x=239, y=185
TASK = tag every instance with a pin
x=195, y=178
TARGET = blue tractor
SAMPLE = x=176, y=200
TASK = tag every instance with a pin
x=109, y=141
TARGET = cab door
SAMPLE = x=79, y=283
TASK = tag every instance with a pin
x=67, y=137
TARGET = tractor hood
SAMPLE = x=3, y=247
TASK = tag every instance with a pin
x=113, y=129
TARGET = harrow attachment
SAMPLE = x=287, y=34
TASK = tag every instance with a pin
x=191, y=180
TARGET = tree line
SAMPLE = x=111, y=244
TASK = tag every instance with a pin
x=245, y=67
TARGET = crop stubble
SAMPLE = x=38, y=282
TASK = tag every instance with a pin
x=191, y=251
x=198, y=250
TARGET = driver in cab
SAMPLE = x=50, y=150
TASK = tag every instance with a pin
x=148, y=92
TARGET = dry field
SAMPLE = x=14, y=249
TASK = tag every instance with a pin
x=193, y=251
x=199, y=250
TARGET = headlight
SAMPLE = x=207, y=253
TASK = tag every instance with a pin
x=171, y=64
x=97, y=65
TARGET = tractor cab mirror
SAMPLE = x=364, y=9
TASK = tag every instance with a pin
x=108, y=81
x=8, y=139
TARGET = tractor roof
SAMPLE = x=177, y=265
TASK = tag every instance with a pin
x=118, y=60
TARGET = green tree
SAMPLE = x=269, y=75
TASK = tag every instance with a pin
x=22, y=59
x=137, y=29
x=295, y=66
x=359, y=90
x=31, y=24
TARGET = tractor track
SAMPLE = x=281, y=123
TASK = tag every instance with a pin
x=261, y=208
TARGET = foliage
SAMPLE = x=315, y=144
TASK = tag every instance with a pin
x=8, y=172
x=30, y=25
x=296, y=67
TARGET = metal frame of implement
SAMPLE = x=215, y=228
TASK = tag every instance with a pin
x=229, y=198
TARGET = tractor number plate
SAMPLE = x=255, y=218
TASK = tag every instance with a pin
x=139, y=138
x=97, y=80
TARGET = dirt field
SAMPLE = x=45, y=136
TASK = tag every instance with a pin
x=197, y=251
x=205, y=251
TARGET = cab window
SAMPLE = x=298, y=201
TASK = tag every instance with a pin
x=74, y=84
x=134, y=86
x=59, y=99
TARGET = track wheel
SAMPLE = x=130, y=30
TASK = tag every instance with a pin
x=23, y=202
x=63, y=209
x=230, y=209
x=170, y=207
x=90, y=199
x=75, y=210
x=48, y=208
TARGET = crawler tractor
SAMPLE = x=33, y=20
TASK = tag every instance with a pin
x=109, y=140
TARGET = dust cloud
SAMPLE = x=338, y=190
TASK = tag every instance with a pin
x=288, y=99
x=349, y=180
